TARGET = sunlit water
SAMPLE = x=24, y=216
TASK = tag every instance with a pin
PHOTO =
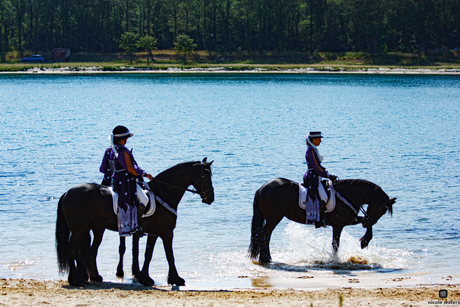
x=401, y=132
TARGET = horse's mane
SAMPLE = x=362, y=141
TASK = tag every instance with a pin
x=359, y=182
x=377, y=190
x=176, y=167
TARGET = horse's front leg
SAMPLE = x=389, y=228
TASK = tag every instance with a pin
x=366, y=238
x=336, y=232
x=121, y=253
x=144, y=277
x=135, y=266
x=173, y=276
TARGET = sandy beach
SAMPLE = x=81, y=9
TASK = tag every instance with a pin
x=255, y=70
x=28, y=292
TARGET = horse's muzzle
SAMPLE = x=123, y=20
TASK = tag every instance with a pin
x=207, y=196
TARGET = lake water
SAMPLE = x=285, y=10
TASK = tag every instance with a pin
x=400, y=132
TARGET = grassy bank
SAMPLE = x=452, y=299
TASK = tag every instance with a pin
x=267, y=61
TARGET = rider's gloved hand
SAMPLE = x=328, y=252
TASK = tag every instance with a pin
x=333, y=178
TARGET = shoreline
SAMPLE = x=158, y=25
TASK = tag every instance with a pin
x=51, y=293
x=226, y=70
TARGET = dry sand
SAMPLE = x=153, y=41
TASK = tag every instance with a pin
x=27, y=292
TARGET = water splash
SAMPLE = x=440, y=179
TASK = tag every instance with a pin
x=311, y=249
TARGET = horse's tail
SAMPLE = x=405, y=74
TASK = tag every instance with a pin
x=258, y=221
x=62, y=238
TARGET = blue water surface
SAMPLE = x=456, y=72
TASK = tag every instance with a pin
x=400, y=132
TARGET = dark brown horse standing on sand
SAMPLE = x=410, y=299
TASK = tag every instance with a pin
x=279, y=198
x=89, y=207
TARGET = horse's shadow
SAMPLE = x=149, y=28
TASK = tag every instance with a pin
x=134, y=286
x=107, y=285
x=342, y=268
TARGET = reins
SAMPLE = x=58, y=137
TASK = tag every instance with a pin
x=175, y=186
x=349, y=199
x=202, y=194
x=162, y=202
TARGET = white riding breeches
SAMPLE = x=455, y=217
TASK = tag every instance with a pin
x=141, y=196
x=321, y=191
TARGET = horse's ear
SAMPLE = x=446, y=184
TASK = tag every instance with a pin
x=390, y=205
x=211, y=162
x=205, y=158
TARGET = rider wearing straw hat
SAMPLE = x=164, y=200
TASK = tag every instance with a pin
x=312, y=177
x=122, y=172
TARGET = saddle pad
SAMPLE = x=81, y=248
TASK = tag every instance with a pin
x=150, y=209
x=330, y=206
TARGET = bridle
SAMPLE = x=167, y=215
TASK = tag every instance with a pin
x=348, y=199
x=371, y=220
x=203, y=193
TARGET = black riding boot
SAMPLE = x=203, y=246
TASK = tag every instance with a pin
x=140, y=220
x=140, y=210
x=322, y=217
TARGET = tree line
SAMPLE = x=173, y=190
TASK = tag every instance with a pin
x=232, y=25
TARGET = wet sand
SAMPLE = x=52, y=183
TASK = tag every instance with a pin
x=28, y=292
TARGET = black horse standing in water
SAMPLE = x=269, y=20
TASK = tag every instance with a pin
x=279, y=198
x=161, y=188
x=89, y=207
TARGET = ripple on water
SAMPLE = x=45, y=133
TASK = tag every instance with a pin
x=385, y=129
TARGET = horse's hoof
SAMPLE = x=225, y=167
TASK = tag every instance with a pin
x=265, y=259
x=120, y=273
x=364, y=243
x=97, y=278
x=148, y=282
x=84, y=276
x=76, y=282
x=178, y=281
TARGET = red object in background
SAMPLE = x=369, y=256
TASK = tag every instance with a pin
x=60, y=54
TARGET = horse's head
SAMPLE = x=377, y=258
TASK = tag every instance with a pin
x=202, y=181
x=374, y=213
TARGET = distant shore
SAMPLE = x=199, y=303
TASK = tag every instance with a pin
x=226, y=69
x=441, y=62
x=28, y=292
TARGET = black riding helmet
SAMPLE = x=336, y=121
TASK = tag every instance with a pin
x=120, y=133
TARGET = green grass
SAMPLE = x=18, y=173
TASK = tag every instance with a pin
x=243, y=61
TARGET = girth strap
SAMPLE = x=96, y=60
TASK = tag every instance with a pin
x=166, y=205
x=163, y=203
x=344, y=200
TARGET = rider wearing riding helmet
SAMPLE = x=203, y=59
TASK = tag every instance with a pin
x=312, y=177
x=122, y=172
